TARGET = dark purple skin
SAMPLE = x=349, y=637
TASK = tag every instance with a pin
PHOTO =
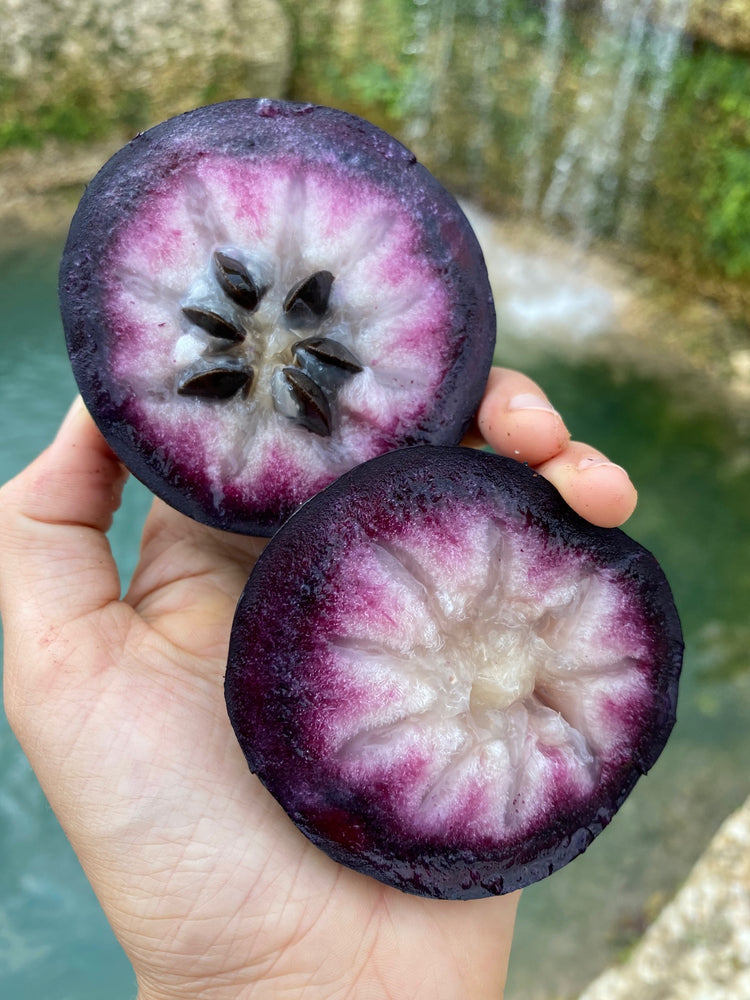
x=254, y=132
x=284, y=699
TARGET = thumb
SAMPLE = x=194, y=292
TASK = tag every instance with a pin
x=55, y=560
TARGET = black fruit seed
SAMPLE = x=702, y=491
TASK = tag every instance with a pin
x=310, y=407
x=327, y=352
x=236, y=281
x=214, y=324
x=196, y=261
x=221, y=381
x=309, y=297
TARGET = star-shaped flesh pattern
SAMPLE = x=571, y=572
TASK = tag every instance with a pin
x=238, y=239
x=447, y=678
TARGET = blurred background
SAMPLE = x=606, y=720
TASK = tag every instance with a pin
x=602, y=151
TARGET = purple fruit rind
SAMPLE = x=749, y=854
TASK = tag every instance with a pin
x=253, y=131
x=280, y=690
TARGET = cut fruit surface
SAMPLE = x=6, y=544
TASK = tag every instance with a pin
x=259, y=295
x=447, y=678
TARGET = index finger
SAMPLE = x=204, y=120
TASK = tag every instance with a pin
x=517, y=419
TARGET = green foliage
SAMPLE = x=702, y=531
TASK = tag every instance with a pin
x=361, y=66
x=722, y=94
x=76, y=117
x=527, y=18
x=474, y=111
x=77, y=114
x=16, y=131
x=378, y=84
x=726, y=195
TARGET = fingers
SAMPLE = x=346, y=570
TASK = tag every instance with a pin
x=596, y=488
x=55, y=561
x=517, y=420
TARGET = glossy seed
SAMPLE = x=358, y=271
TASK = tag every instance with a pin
x=297, y=396
x=236, y=281
x=327, y=352
x=217, y=382
x=214, y=324
x=309, y=298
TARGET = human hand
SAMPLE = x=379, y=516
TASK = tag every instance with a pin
x=119, y=706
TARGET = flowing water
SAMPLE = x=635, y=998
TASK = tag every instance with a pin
x=693, y=473
x=586, y=86
x=54, y=941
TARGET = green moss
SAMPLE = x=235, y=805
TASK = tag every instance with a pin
x=698, y=206
x=364, y=69
x=726, y=196
x=691, y=213
x=724, y=192
x=76, y=118
x=79, y=114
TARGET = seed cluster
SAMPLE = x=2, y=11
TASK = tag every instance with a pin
x=302, y=391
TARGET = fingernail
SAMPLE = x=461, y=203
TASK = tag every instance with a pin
x=593, y=461
x=529, y=401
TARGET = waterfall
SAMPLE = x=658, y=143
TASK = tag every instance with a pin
x=665, y=43
x=633, y=43
x=588, y=135
x=538, y=117
x=432, y=45
x=585, y=172
x=486, y=68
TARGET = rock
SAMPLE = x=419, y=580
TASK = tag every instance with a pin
x=699, y=946
x=138, y=58
x=725, y=23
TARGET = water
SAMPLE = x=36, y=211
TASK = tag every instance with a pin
x=552, y=52
x=586, y=172
x=663, y=47
x=693, y=473
x=691, y=467
x=432, y=44
x=54, y=941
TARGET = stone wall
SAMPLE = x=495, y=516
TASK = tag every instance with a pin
x=74, y=64
x=725, y=23
x=699, y=947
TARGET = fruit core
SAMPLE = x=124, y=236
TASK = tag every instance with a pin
x=290, y=344
x=486, y=667
x=295, y=304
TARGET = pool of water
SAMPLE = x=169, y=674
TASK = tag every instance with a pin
x=693, y=474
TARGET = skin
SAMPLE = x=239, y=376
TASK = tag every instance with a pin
x=118, y=704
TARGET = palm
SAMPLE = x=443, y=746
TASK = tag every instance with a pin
x=215, y=875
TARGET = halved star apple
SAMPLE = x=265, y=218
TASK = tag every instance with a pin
x=259, y=295
x=447, y=678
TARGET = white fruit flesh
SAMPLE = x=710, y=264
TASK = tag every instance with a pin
x=387, y=307
x=480, y=676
